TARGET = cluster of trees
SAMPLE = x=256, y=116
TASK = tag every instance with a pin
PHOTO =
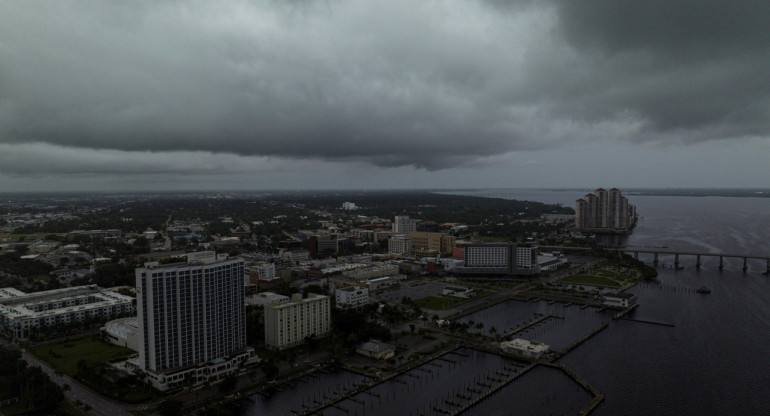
x=353, y=328
x=12, y=263
x=426, y=205
x=103, y=378
x=513, y=230
x=36, y=392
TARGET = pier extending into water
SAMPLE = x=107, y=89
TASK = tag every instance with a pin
x=542, y=318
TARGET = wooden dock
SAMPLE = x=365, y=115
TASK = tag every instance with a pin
x=525, y=326
x=598, y=396
x=584, y=338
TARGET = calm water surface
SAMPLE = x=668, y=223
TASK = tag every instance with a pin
x=712, y=361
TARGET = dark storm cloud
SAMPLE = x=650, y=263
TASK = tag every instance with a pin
x=695, y=70
x=429, y=84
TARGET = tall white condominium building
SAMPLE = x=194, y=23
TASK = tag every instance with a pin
x=602, y=209
x=349, y=206
x=403, y=225
x=351, y=297
x=290, y=324
x=190, y=313
x=400, y=245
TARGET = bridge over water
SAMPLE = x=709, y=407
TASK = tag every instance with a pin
x=676, y=253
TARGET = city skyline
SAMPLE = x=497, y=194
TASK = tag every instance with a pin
x=304, y=95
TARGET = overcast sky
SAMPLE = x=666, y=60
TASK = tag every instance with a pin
x=194, y=95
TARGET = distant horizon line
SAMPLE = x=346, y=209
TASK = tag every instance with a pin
x=428, y=189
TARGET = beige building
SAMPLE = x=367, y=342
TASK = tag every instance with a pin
x=290, y=324
x=427, y=243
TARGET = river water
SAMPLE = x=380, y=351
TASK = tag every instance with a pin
x=713, y=360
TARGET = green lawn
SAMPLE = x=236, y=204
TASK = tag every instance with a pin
x=441, y=302
x=586, y=279
x=17, y=237
x=64, y=355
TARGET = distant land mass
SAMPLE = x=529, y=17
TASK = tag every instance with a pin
x=736, y=192
x=727, y=192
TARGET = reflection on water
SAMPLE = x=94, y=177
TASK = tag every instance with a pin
x=710, y=362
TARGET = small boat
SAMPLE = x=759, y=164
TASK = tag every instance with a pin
x=703, y=289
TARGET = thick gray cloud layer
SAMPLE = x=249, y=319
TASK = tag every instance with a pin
x=431, y=84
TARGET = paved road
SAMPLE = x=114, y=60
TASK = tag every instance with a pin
x=99, y=405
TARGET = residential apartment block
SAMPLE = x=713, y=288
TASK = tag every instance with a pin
x=190, y=314
x=604, y=211
x=290, y=324
x=20, y=312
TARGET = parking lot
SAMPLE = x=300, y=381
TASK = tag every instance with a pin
x=414, y=290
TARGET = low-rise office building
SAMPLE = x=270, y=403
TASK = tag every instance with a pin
x=351, y=297
x=459, y=292
x=400, y=245
x=123, y=332
x=525, y=348
x=619, y=300
x=376, y=349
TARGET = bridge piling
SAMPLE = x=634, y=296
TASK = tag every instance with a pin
x=697, y=262
x=636, y=255
x=745, y=266
x=721, y=262
x=655, y=261
x=767, y=268
x=676, y=260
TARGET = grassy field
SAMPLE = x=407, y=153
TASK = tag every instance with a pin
x=17, y=237
x=441, y=302
x=586, y=279
x=64, y=355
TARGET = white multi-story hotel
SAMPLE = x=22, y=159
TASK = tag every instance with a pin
x=188, y=314
x=526, y=259
x=351, y=297
x=20, y=311
x=499, y=259
x=489, y=258
x=290, y=324
x=403, y=225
